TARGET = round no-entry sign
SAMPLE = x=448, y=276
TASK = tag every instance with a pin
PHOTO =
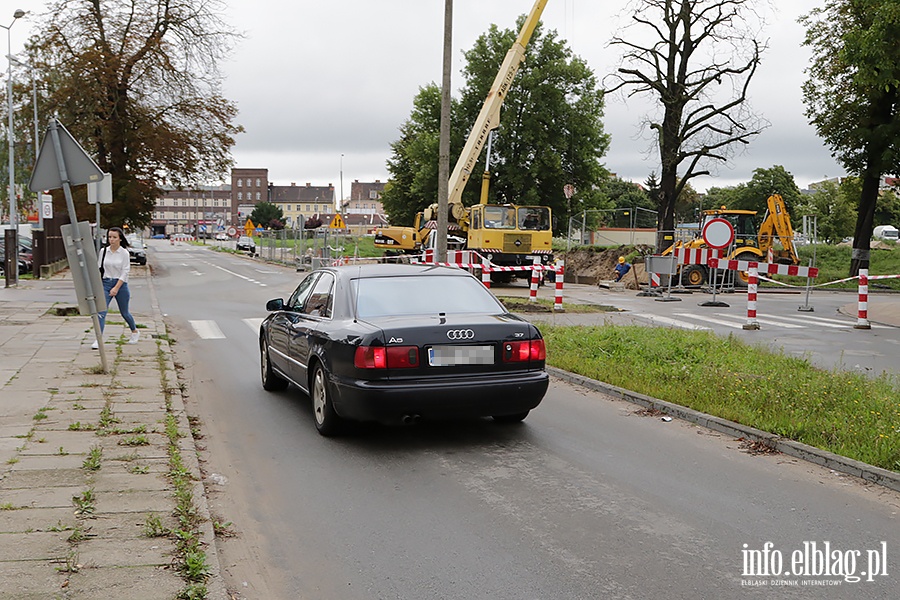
x=718, y=233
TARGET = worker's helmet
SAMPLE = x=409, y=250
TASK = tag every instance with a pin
x=621, y=259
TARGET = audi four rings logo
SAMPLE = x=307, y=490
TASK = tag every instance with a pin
x=460, y=334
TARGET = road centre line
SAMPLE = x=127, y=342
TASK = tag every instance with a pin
x=259, y=283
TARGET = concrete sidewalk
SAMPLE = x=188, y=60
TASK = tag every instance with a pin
x=85, y=459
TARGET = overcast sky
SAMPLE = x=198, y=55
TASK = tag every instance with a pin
x=322, y=87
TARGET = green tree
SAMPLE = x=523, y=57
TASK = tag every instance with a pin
x=833, y=209
x=887, y=208
x=763, y=184
x=550, y=132
x=682, y=53
x=413, y=163
x=267, y=215
x=137, y=84
x=852, y=97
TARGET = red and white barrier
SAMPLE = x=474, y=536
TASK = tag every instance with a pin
x=560, y=276
x=536, y=274
x=654, y=280
x=767, y=268
x=696, y=256
x=862, y=318
x=486, y=272
x=752, y=323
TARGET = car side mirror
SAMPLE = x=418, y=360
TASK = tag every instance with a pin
x=276, y=304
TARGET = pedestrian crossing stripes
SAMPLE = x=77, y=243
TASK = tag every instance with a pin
x=210, y=330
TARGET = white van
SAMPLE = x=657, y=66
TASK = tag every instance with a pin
x=886, y=232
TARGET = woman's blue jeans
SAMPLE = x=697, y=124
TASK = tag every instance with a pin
x=123, y=296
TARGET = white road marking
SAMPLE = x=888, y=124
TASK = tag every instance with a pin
x=254, y=324
x=207, y=330
x=672, y=322
x=259, y=283
x=707, y=319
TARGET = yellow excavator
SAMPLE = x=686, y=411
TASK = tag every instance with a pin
x=506, y=234
x=750, y=243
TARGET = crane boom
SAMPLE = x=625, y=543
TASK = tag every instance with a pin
x=489, y=117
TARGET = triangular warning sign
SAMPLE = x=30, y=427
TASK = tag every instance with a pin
x=79, y=167
x=337, y=222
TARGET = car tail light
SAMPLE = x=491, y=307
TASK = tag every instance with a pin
x=524, y=351
x=392, y=357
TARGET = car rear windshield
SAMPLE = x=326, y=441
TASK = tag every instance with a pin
x=414, y=295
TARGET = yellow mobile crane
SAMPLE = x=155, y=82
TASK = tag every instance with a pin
x=749, y=243
x=507, y=234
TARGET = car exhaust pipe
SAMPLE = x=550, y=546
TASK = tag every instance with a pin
x=409, y=419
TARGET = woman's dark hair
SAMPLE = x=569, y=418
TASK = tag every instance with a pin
x=122, y=239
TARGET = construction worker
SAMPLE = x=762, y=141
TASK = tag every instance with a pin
x=622, y=268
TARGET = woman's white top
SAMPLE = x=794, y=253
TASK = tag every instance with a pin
x=116, y=265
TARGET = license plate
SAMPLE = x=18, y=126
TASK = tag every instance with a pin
x=444, y=356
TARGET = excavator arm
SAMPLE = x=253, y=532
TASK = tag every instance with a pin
x=778, y=223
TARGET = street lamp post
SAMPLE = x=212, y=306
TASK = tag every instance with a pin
x=341, y=200
x=34, y=102
x=13, y=220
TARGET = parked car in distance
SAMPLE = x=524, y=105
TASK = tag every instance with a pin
x=396, y=343
x=25, y=260
x=221, y=236
x=158, y=236
x=246, y=243
x=137, y=248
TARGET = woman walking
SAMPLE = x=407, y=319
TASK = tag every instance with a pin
x=115, y=263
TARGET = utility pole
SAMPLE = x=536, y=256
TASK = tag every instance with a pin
x=444, y=144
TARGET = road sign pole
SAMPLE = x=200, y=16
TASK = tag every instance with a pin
x=79, y=243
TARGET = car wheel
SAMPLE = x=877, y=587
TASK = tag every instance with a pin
x=328, y=423
x=514, y=418
x=270, y=381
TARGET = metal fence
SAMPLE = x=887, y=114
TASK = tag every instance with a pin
x=610, y=227
x=307, y=248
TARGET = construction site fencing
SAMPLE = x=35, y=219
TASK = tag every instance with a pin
x=610, y=227
x=309, y=248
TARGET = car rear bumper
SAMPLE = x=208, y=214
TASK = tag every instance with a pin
x=463, y=397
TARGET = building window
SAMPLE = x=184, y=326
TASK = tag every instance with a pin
x=240, y=196
x=257, y=182
x=240, y=182
x=257, y=194
x=307, y=208
x=373, y=194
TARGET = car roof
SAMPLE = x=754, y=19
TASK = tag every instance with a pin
x=394, y=270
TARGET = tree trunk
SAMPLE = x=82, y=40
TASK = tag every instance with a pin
x=864, y=223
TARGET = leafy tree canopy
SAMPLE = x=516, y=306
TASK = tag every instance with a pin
x=834, y=209
x=268, y=215
x=550, y=132
x=137, y=84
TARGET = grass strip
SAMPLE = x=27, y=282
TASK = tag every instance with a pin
x=842, y=412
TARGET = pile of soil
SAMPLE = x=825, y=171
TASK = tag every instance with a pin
x=592, y=265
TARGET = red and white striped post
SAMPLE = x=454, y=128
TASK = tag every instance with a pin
x=753, y=279
x=862, y=319
x=560, y=270
x=654, y=281
x=486, y=272
x=535, y=278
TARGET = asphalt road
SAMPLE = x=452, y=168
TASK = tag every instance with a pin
x=585, y=499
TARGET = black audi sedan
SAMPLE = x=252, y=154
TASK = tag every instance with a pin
x=394, y=343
